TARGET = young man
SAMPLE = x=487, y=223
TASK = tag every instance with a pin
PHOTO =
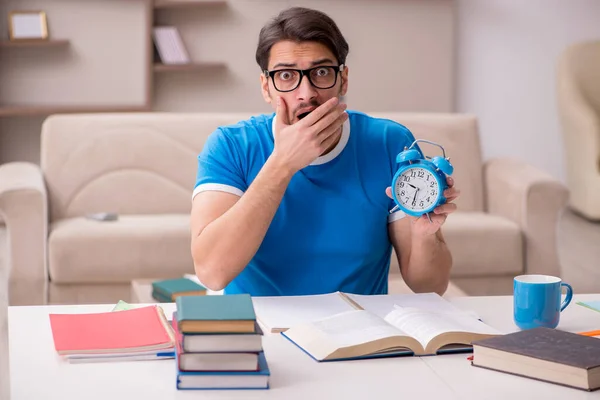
x=297, y=202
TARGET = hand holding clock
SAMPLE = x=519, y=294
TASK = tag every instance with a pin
x=421, y=225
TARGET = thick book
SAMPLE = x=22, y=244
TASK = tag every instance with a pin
x=216, y=314
x=170, y=289
x=212, y=360
x=544, y=354
x=226, y=379
x=133, y=331
x=359, y=334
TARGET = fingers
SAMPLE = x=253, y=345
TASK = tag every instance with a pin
x=388, y=191
x=329, y=137
x=446, y=208
x=329, y=131
x=451, y=194
x=450, y=181
x=319, y=112
x=329, y=119
x=281, y=113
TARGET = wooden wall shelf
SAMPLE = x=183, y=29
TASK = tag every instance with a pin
x=159, y=67
x=34, y=43
x=29, y=110
x=187, y=4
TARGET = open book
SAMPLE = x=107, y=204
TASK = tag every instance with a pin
x=340, y=326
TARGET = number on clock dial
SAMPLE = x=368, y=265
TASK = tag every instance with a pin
x=416, y=189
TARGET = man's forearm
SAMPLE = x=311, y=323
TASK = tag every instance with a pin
x=226, y=245
x=429, y=264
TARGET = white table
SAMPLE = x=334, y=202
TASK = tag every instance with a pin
x=37, y=372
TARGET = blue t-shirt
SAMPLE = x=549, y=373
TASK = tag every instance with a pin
x=330, y=232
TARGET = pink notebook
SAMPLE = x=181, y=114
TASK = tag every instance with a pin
x=135, y=330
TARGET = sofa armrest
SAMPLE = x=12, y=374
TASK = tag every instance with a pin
x=23, y=205
x=535, y=201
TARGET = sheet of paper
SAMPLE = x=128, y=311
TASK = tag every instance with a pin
x=424, y=325
x=282, y=312
x=382, y=305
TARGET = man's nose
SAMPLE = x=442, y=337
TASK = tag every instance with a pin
x=306, y=91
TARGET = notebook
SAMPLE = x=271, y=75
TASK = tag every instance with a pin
x=592, y=305
x=544, y=354
x=359, y=334
x=216, y=314
x=138, y=331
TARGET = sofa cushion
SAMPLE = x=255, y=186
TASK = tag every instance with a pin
x=483, y=244
x=135, y=246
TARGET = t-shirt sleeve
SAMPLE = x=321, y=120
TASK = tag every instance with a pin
x=220, y=166
x=399, y=137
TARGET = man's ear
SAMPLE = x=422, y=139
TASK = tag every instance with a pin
x=264, y=88
x=344, y=77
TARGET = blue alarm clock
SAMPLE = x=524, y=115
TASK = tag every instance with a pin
x=418, y=185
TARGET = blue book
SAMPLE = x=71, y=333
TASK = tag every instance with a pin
x=226, y=380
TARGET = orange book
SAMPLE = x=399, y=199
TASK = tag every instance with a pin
x=136, y=330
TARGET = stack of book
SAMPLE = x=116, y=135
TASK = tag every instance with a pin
x=219, y=343
x=166, y=291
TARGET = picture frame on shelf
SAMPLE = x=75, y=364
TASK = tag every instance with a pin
x=27, y=25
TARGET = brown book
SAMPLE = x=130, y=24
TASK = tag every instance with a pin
x=544, y=354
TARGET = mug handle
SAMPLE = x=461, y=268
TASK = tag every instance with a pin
x=569, y=296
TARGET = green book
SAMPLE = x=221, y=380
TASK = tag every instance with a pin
x=160, y=297
x=172, y=288
x=232, y=313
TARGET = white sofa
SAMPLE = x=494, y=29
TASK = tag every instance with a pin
x=143, y=167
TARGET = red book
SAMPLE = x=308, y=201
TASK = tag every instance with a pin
x=135, y=330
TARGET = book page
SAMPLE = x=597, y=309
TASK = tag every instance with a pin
x=346, y=335
x=279, y=313
x=355, y=327
x=424, y=325
x=382, y=305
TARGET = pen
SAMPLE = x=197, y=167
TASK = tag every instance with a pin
x=590, y=333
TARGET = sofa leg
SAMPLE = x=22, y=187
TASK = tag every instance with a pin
x=28, y=292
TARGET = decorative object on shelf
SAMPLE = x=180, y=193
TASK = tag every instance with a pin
x=27, y=25
x=169, y=45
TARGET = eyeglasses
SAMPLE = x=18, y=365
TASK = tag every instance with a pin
x=321, y=77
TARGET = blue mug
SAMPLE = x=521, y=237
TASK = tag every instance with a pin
x=537, y=300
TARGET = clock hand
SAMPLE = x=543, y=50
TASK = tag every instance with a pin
x=412, y=186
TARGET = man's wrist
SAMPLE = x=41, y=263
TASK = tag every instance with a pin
x=278, y=169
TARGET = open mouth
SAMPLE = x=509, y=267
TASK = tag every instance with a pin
x=304, y=114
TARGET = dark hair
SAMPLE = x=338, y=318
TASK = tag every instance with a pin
x=301, y=25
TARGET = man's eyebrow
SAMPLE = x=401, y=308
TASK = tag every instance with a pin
x=322, y=61
x=293, y=65
x=289, y=65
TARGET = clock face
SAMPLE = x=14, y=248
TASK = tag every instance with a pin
x=416, y=189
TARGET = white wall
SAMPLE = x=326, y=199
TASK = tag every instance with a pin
x=507, y=51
